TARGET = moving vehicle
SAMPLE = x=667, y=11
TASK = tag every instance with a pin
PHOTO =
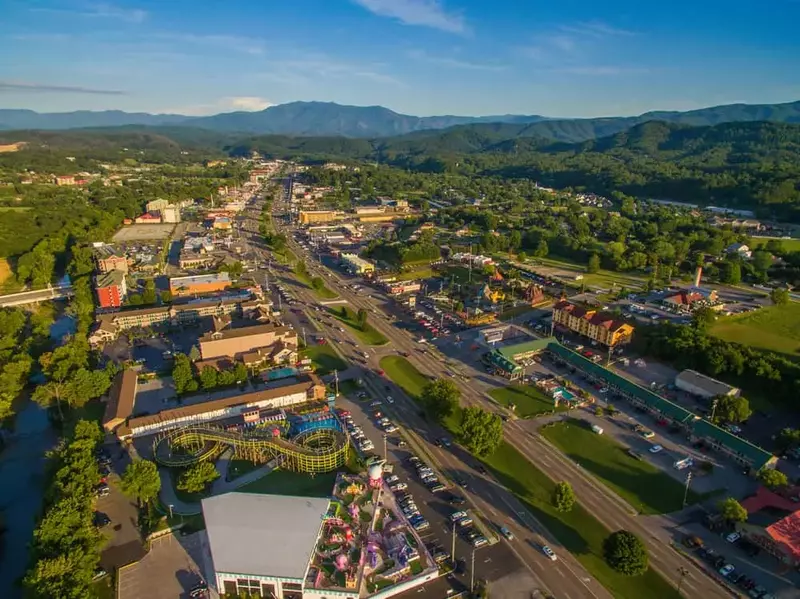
x=549, y=553
x=656, y=448
x=727, y=569
x=506, y=533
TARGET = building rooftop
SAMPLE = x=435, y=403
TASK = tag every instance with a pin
x=112, y=277
x=217, y=277
x=265, y=535
x=121, y=397
x=709, y=385
x=259, y=329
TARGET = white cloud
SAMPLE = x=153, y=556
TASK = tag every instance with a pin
x=603, y=70
x=101, y=10
x=250, y=103
x=455, y=63
x=425, y=13
x=596, y=29
x=227, y=104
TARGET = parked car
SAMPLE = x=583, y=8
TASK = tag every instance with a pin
x=727, y=569
x=733, y=537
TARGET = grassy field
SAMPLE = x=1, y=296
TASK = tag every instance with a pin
x=418, y=273
x=788, y=245
x=640, y=483
x=104, y=588
x=5, y=271
x=404, y=374
x=324, y=358
x=514, y=312
x=603, y=278
x=775, y=328
x=323, y=292
x=284, y=482
x=530, y=401
x=368, y=334
x=577, y=530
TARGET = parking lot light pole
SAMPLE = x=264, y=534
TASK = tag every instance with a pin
x=472, y=573
x=170, y=511
x=686, y=491
x=453, y=550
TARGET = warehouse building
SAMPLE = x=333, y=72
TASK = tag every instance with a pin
x=704, y=386
x=357, y=265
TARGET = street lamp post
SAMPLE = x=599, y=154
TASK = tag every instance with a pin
x=453, y=548
x=472, y=573
x=170, y=511
x=686, y=491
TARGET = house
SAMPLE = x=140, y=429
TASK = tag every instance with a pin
x=111, y=289
x=739, y=249
x=64, y=180
x=148, y=218
x=595, y=325
x=687, y=300
x=773, y=523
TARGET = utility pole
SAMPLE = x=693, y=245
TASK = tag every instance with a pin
x=713, y=408
x=453, y=550
x=470, y=264
x=683, y=573
x=385, y=449
x=686, y=491
x=336, y=381
x=304, y=337
x=472, y=574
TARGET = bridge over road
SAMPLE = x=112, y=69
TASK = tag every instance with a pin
x=34, y=297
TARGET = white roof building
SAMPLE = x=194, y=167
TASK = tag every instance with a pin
x=262, y=543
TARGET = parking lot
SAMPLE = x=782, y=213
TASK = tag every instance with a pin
x=496, y=563
x=154, y=232
x=174, y=565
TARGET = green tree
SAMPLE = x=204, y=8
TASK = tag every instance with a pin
x=730, y=272
x=240, y=372
x=789, y=438
x=440, y=398
x=731, y=510
x=594, y=264
x=731, y=409
x=194, y=354
x=481, y=432
x=135, y=299
x=563, y=497
x=773, y=479
x=149, y=293
x=141, y=481
x=166, y=296
x=703, y=318
x=762, y=261
x=196, y=478
x=542, y=250
x=317, y=283
x=363, y=317
x=208, y=377
x=522, y=256
x=779, y=296
x=182, y=375
x=626, y=553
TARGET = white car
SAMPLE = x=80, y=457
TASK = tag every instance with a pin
x=389, y=399
x=549, y=553
x=727, y=570
x=733, y=537
x=655, y=448
x=392, y=479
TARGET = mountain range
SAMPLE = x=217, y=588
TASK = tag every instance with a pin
x=330, y=119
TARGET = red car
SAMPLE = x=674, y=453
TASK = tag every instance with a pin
x=382, y=372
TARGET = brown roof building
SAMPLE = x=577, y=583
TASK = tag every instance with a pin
x=245, y=340
x=120, y=400
x=306, y=387
x=599, y=327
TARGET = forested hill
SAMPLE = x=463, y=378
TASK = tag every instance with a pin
x=747, y=165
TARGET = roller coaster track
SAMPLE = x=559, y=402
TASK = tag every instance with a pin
x=317, y=450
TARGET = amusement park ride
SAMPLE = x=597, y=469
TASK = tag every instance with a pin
x=311, y=443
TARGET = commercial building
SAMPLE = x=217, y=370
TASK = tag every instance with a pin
x=590, y=323
x=108, y=326
x=111, y=261
x=156, y=206
x=111, y=289
x=199, y=284
x=280, y=394
x=701, y=385
x=357, y=265
x=121, y=397
x=148, y=218
x=309, y=217
x=277, y=341
x=64, y=180
x=171, y=214
x=222, y=223
x=401, y=287
x=773, y=523
x=264, y=544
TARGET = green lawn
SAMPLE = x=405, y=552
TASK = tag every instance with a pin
x=284, y=482
x=789, y=245
x=104, y=588
x=577, y=530
x=418, y=273
x=529, y=400
x=324, y=358
x=514, y=312
x=603, y=278
x=404, y=374
x=368, y=334
x=644, y=486
x=323, y=292
x=774, y=328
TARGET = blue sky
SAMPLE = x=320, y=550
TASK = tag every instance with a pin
x=423, y=57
